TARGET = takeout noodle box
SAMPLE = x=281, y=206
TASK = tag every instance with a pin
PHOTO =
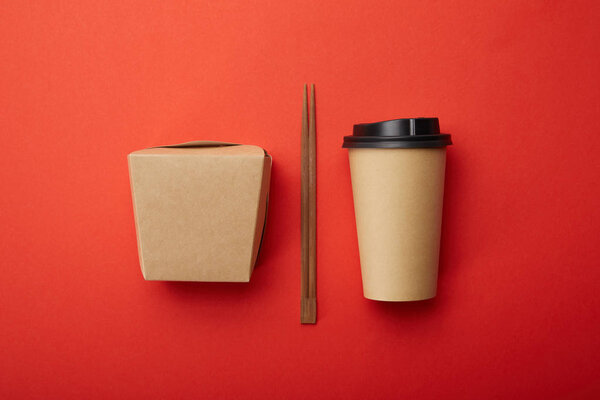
x=200, y=210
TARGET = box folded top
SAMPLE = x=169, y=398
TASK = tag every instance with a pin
x=207, y=148
x=200, y=143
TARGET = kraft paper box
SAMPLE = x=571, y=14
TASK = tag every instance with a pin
x=199, y=210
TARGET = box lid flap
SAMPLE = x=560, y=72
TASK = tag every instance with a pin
x=205, y=147
x=198, y=143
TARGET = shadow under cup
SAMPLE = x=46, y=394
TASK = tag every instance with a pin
x=397, y=169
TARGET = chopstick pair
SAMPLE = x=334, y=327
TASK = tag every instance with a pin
x=308, y=285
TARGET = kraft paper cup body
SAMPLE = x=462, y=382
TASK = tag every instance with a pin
x=398, y=196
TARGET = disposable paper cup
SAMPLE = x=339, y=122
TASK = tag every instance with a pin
x=397, y=170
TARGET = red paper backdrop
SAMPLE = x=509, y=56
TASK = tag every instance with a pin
x=82, y=84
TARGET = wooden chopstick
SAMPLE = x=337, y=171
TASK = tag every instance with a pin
x=308, y=287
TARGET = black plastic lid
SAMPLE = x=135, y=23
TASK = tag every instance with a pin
x=405, y=133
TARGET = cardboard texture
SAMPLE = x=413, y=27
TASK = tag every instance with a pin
x=199, y=209
x=398, y=195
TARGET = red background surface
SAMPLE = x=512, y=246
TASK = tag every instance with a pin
x=82, y=84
